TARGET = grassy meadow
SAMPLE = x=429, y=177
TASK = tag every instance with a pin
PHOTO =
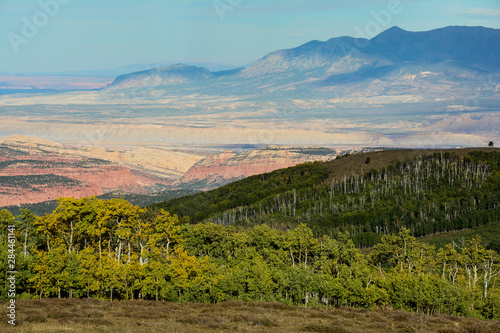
x=91, y=315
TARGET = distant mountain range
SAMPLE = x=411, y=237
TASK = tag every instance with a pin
x=398, y=89
x=450, y=53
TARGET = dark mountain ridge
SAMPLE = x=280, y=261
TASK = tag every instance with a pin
x=476, y=46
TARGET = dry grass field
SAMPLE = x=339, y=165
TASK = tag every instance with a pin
x=90, y=315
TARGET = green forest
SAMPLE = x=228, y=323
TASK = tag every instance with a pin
x=300, y=236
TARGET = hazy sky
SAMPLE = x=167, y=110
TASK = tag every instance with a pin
x=39, y=36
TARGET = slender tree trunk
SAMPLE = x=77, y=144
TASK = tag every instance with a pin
x=129, y=251
x=119, y=254
x=100, y=247
x=26, y=241
x=70, y=245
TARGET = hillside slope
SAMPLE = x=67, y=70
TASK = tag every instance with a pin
x=346, y=55
x=162, y=76
x=368, y=195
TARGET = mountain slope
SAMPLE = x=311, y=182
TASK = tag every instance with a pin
x=474, y=46
x=367, y=194
x=477, y=46
x=314, y=54
x=162, y=76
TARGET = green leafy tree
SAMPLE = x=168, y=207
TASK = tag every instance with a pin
x=50, y=271
x=301, y=244
x=88, y=259
x=167, y=230
x=451, y=261
x=401, y=251
x=72, y=283
x=41, y=280
x=28, y=237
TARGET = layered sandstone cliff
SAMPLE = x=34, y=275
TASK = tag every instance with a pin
x=227, y=166
x=34, y=170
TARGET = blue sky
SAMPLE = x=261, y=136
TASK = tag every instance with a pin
x=74, y=35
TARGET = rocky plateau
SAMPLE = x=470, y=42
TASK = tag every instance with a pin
x=35, y=170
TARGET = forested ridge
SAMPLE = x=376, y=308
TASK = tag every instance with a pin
x=291, y=236
x=431, y=193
